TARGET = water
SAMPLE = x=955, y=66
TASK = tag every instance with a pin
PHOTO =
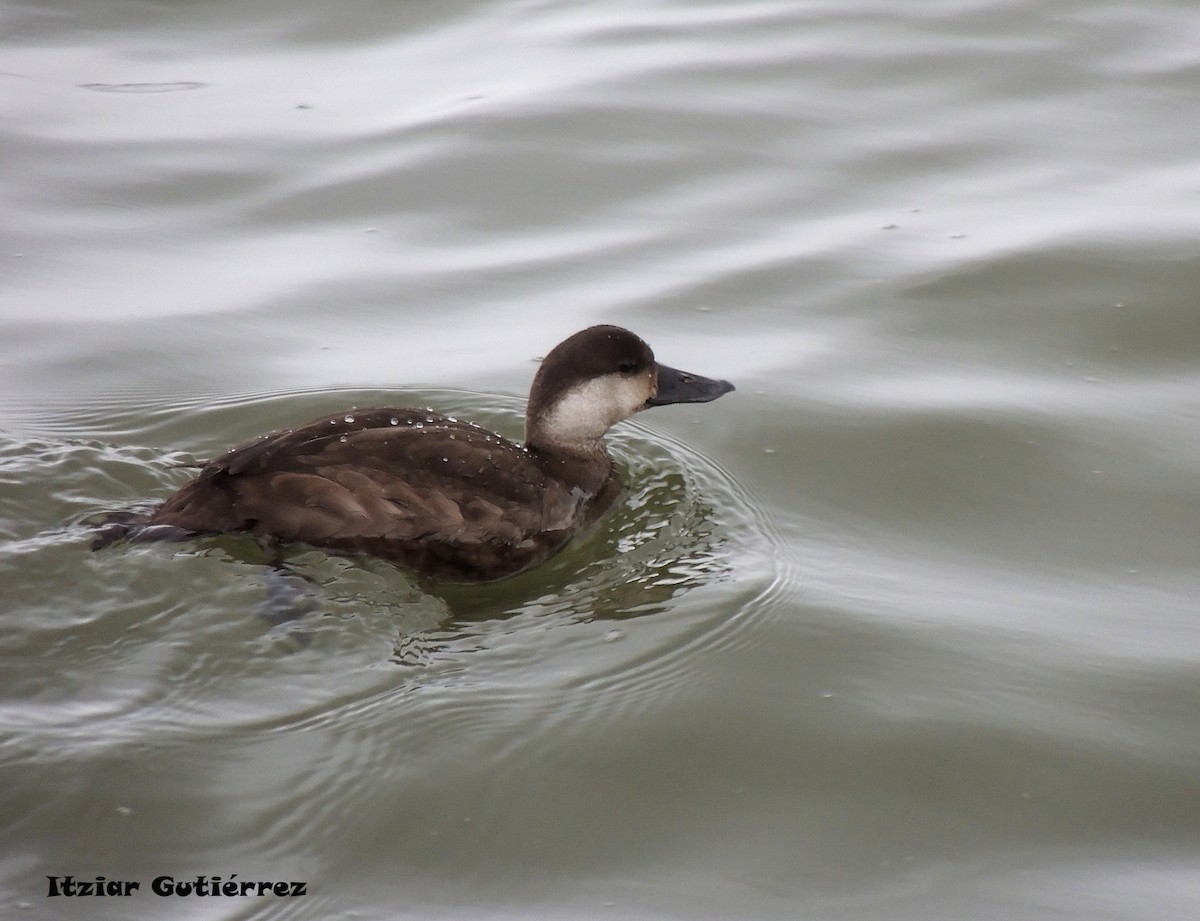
x=905, y=627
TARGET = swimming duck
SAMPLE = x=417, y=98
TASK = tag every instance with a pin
x=443, y=497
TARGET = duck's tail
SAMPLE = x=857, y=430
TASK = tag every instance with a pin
x=109, y=527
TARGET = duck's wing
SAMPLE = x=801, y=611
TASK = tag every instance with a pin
x=391, y=475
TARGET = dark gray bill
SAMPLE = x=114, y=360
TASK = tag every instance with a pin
x=682, y=387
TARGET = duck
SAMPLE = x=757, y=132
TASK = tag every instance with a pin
x=445, y=498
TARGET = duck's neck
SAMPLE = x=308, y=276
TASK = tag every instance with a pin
x=582, y=464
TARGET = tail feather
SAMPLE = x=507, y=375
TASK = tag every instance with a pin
x=109, y=527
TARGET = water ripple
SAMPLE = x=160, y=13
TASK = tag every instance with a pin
x=160, y=643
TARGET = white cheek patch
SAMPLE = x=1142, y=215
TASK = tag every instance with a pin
x=588, y=410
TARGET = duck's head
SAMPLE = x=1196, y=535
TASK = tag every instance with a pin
x=591, y=381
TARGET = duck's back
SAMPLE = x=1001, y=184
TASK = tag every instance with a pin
x=441, y=496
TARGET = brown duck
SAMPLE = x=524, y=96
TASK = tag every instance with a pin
x=434, y=494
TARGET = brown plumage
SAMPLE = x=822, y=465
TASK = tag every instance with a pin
x=444, y=497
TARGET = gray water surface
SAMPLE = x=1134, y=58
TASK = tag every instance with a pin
x=907, y=627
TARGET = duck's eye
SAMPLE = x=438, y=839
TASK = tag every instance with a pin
x=627, y=367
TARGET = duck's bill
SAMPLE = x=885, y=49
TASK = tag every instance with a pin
x=682, y=387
